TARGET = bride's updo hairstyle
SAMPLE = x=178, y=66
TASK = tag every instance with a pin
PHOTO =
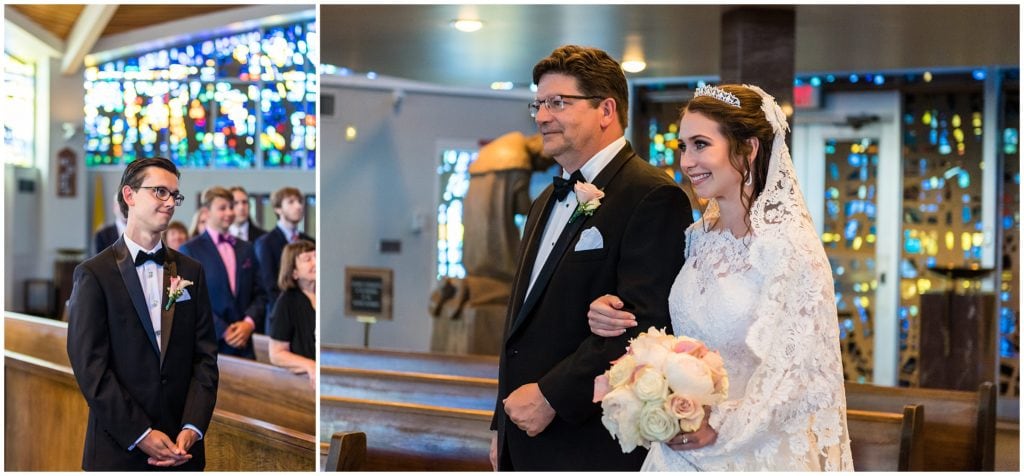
x=738, y=124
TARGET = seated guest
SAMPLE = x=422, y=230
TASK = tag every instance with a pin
x=293, y=337
x=243, y=227
x=232, y=275
x=290, y=210
x=175, y=235
x=107, y=235
x=198, y=222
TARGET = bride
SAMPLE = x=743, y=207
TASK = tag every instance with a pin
x=758, y=288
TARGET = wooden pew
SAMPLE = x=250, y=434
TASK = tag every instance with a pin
x=883, y=441
x=347, y=452
x=958, y=431
x=472, y=393
x=261, y=344
x=46, y=419
x=408, y=437
x=246, y=387
x=484, y=366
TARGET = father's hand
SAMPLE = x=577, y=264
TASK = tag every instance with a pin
x=528, y=409
x=494, y=451
x=162, y=451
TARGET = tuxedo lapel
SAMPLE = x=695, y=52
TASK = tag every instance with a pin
x=562, y=244
x=167, y=315
x=219, y=270
x=126, y=265
x=533, y=237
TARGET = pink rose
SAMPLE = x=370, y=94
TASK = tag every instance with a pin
x=601, y=387
x=693, y=347
x=689, y=412
x=716, y=367
x=586, y=192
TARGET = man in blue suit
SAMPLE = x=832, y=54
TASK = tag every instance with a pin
x=232, y=274
x=290, y=209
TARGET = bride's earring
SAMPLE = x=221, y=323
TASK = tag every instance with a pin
x=750, y=180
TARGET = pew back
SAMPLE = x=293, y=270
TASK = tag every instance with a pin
x=408, y=437
x=472, y=393
x=46, y=417
x=484, y=366
x=883, y=441
x=959, y=430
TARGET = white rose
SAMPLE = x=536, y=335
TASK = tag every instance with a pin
x=688, y=375
x=656, y=424
x=621, y=415
x=648, y=349
x=621, y=371
x=650, y=385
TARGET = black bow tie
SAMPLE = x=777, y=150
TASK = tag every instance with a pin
x=563, y=186
x=226, y=238
x=156, y=257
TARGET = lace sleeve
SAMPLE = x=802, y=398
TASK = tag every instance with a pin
x=793, y=414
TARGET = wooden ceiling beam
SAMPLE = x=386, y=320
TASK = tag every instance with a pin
x=87, y=30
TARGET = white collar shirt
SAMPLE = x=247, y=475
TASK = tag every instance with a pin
x=562, y=211
x=151, y=276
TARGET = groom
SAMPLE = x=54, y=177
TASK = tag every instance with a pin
x=632, y=245
x=145, y=358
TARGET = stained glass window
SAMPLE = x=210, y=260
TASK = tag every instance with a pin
x=18, y=111
x=942, y=224
x=1009, y=222
x=238, y=101
x=454, y=174
x=848, y=235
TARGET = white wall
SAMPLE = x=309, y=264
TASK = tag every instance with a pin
x=371, y=188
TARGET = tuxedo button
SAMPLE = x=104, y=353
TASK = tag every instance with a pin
x=513, y=352
x=163, y=381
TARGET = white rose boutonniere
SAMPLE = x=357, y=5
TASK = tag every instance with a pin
x=589, y=198
x=175, y=290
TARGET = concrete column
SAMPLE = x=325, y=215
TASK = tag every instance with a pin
x=759, y=47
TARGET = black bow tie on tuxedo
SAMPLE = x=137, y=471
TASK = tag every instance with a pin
x=563, y=186
x=157, y=257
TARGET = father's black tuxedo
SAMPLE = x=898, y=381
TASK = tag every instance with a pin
x=641, y=220
x=128, y=382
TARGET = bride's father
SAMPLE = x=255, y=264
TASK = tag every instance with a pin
x=630, y=243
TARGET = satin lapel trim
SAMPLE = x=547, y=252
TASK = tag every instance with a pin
x=532, y=248
x=126, y=265
x=167, y=315
x=568, y=234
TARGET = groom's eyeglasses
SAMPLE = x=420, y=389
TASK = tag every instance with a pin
x=162, y=194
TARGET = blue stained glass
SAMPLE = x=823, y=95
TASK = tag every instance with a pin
x=964, y=179
x=912, y=245
x=833, y=171
x=966, y=214
x=854, y=78
x=850, y=231
x=832, y=207
x=930, y=261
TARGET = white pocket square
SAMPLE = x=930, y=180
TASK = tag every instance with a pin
x=184, y=296
x=590, y=239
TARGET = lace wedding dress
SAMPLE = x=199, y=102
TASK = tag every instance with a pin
x=766, y=303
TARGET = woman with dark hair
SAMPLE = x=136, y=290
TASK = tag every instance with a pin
x=293, y=320
x=757, y=287
x=175, y=235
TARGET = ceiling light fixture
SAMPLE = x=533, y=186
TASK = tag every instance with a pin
x=467, y=26
x=634, y=66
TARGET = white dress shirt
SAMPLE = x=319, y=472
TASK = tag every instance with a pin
x=151, y=276
x=240, y=231
x=562, y=210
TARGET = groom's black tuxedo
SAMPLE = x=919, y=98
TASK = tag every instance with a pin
x=642, y=221
x=128, y=383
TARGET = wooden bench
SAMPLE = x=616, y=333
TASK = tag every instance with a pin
x=882, y=441
x=483, y=366
x=347, y=452
x=246, y=387
x=46, y=419
x=408, y=437
x=472, y=393
x=261, y=345
x=958, y=431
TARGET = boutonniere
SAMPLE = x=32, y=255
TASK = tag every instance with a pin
x=589, y=198
x=175, y=290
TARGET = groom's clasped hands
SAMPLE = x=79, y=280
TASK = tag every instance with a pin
x=166, y=453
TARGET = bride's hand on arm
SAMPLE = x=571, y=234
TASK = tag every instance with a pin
x=703, y=436
x=606, y=319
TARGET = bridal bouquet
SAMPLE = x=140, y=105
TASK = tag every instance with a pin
x=659, y=388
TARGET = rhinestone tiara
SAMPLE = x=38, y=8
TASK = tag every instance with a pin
x=717, y=93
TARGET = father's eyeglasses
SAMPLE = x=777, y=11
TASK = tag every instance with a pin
x=555, y=103
x=162, y=194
